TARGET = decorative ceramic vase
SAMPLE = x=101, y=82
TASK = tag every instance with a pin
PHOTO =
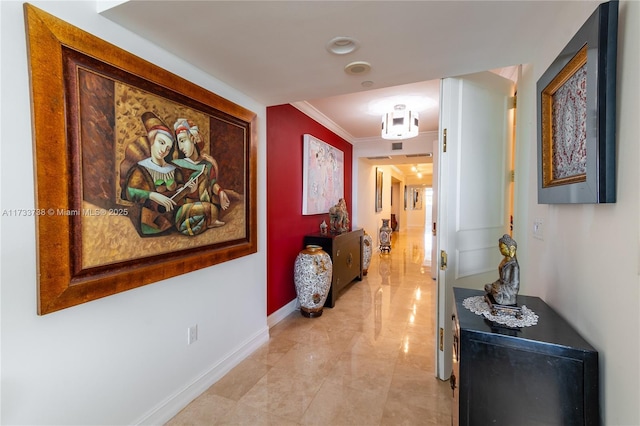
x=385, y=236
x=312, y=277
x=323, y=227
x=367, y=248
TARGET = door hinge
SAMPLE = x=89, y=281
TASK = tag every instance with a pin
x=444, y=140
x=513, y=176
x=441, y=339
x=513, y=102
x=443, y=260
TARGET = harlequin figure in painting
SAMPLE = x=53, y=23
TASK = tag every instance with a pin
x=205, y=198
x=153, y=181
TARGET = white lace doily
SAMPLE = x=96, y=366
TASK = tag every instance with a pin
x=479, y=306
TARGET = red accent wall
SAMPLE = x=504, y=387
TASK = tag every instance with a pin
x=286, y=226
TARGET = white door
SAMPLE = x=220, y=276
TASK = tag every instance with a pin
x=474, y=197
x=434, y=213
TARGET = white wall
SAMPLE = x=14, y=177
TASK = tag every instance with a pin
x=374, y=147
x=587, y=265
x=122, y=359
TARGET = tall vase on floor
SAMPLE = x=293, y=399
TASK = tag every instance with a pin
x=385, y=236
x=367, y=248
x=312, y=276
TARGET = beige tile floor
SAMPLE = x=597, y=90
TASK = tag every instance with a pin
x=368, y=361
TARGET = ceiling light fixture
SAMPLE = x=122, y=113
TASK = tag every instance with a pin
x=401, y=123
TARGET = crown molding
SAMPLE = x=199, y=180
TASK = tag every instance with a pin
x=307, y=109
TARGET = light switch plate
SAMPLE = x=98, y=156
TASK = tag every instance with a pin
x=538, y=229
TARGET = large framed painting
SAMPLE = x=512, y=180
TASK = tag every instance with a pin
x=141, y=175
x=322, y=176
x=576, y=116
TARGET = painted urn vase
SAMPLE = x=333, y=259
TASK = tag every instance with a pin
x=385, y=236
x=312, y=277
x=367, y=248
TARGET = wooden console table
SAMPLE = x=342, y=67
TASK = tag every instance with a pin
x=346, y=255
x=542, y=374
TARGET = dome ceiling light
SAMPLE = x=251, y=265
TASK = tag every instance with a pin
x=400, y=123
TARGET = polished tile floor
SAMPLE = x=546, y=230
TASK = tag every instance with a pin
x=368, y=361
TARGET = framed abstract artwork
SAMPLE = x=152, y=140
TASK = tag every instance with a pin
x=406, y=196
x=322, y=176
x=378, y=194
x=415, y=197
x=576, y=116
x=140, y=174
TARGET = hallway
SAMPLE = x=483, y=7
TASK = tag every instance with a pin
x=368, y=361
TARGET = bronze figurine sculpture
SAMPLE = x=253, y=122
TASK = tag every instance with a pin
x=504, y=290
x=339, y=217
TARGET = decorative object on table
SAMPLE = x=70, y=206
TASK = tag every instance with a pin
x=322, y=177
x=339, y=217
x=367, y=249
x=105, y=112
x=501, y=295
x=323, y=227
x=479, y=306
x=312, y=277
x=378, y=193
x=577, y=115
x=385, y=236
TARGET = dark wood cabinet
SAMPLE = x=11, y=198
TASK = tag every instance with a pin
x=545, y=374
x=346, y=255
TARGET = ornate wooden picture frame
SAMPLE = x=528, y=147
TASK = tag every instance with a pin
x=141, y=175
x=576, y=116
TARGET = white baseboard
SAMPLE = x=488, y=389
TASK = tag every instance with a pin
x=282, y=313
x=167, y=409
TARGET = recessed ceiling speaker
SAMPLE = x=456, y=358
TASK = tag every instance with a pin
x=342, y=45
x=357, y=68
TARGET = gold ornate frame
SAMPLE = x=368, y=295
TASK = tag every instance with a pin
x=548, y=136
x=69, y=166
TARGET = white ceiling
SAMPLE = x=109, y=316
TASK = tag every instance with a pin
x=274, y=51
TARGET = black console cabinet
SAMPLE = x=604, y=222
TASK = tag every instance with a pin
x=544, y=374
x=346, y=255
